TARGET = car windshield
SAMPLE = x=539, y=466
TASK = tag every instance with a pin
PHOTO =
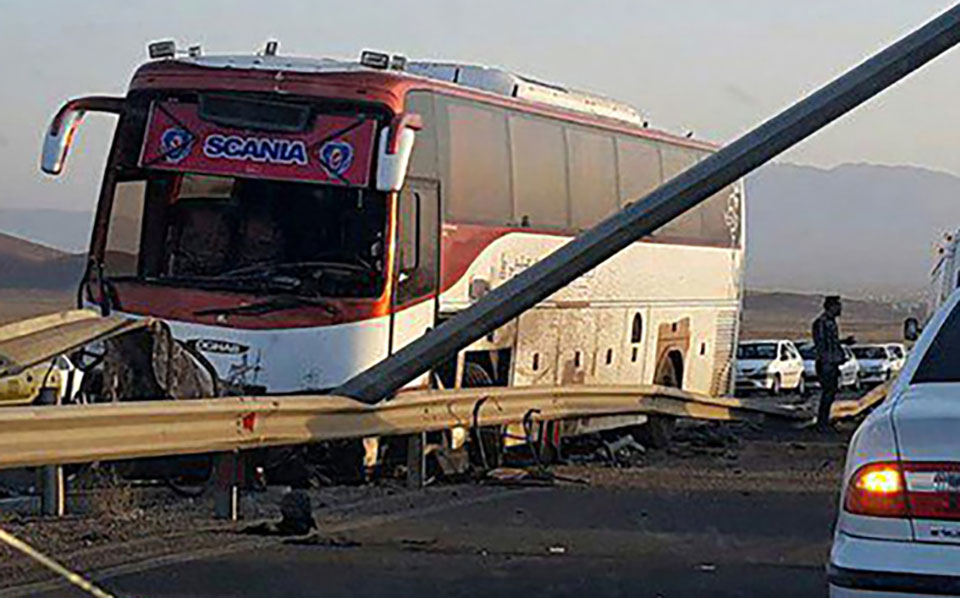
x=757, y=351
x=896, y=351
x=870, y=352
x=807, y=351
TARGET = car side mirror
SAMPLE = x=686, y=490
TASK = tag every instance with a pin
x=911, y=329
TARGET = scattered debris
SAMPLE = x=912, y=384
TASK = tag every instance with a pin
x=557, y=550
x=707, y=567
x=296, y=518
x=624, y=452
x=326, y=541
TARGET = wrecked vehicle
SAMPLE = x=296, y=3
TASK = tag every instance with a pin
x=295, y=221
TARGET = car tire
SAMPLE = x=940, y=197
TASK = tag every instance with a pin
x=802, y=387
x=777, y=387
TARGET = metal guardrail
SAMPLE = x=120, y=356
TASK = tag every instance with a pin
x=851, y=408
x=31, y=436
x=28, y=342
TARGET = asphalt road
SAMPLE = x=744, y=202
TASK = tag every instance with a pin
x=560, y=541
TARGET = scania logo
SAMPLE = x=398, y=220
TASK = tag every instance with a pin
x=210, y=345
x=175, y=144
x=336, y=156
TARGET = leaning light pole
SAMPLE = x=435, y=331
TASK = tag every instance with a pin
x=668, y=201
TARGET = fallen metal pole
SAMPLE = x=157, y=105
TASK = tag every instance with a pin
x=668, y=201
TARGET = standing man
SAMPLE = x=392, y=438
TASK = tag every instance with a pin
x=829, y=353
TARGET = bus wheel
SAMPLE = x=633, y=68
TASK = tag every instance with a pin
x=486, y=442
x=189, y=477
x=658, y=430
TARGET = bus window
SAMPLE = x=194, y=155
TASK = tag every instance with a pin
x=473, y=148
x=408, y=233
x=423, y=161
x=539, y=172
x=593, y=177
x=638, y=167
x=121, y=256
x=687, y=226
x=418, y=230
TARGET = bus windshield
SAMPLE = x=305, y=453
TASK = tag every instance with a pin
x=247, y=234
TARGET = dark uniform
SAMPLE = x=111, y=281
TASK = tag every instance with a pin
x=829, y=352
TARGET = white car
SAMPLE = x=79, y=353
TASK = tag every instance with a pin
x=899, y=354
x=770, y=365
x=898, y=531
x=877, y=363
x=849, y=369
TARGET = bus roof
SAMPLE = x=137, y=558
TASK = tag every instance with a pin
x=352, y=81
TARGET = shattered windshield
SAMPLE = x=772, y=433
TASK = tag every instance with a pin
x=248, y=234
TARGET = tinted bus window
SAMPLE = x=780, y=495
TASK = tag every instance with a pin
x=687, y=226
x=472, y=146
x=423, y=162
x=122, y=252
x=593, y=177
x=417, y=240
x=638, y=166
x=539, y=172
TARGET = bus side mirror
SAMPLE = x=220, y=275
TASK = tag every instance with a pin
x=396, y=147
x=57, y=141
x=911, y=329
x=59, y=136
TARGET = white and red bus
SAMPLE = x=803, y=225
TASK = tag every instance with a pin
x=298, y=220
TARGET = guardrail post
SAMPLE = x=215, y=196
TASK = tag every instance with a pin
x=52, y=492
x=226, y=494
x=416, y=460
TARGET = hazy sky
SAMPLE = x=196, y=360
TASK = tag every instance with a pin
x=716, y=67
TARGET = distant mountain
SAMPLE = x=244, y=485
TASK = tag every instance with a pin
x=790, y=315
x=28, y=265
x=64, y=229
x=855, y=229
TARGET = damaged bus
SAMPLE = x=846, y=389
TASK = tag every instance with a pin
x=297, y=220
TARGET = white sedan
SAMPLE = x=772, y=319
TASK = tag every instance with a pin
x=849, y=369
x=771, y=366
x=898, y=532
x=877, y=363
